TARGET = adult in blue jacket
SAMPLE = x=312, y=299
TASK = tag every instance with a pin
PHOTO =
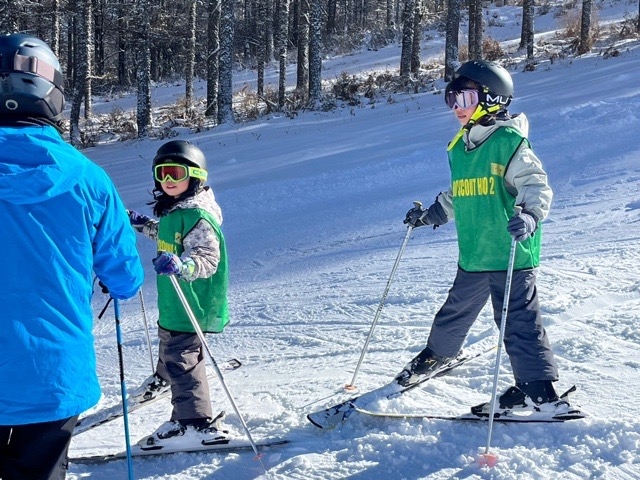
x=61, y=223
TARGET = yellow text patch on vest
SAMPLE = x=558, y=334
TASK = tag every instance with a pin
x=497, y=169
x=166, y=247
x=469, y=187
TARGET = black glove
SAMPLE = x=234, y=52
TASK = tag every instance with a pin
x=416, y=217
x=103, y=287
x=419, y=216
x=522, y=225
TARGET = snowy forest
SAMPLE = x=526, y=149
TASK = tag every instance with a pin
x=110, y=46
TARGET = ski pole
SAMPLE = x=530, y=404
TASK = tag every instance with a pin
x=146, y=331
x=489, y=459
x=352, y=385
x=123, y=388
x=205, y=345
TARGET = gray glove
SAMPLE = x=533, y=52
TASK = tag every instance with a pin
x=522, y=225
x=419, y=216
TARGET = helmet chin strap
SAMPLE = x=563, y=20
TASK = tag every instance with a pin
x=479, y=112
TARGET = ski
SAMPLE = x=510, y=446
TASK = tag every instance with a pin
x=222, y=446
x=505, y=417
x=332, y=416
x=112, y=413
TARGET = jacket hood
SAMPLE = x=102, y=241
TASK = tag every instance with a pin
x=31, y=160
x=479, y=133
x=204, y=199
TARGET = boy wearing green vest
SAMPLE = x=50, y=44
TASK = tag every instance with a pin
x=493, y=170
x=192, y=247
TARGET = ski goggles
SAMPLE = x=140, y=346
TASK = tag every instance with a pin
x=176, y=172
x=462, y=99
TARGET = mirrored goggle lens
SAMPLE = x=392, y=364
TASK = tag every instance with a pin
x=175, y=173
x=463, y=99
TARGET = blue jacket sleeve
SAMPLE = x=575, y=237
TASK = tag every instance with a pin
x=116, y=260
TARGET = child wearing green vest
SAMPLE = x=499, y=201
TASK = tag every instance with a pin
x=493, y=170
x=190, y=246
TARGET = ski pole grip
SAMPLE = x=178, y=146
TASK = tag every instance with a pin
x=517, y=210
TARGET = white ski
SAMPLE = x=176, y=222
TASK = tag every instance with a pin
x=532, y=416
x=225, y=445
x=333, y=416
x=112, y=413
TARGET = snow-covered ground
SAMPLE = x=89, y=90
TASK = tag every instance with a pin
x=313, y=220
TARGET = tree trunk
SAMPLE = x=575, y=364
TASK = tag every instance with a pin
x=123, y=24
x=55, y=27
x=407, y=37
x=332, y=8
x=475, y=29
x=315, y=53
x=99, y=36
x=531, y=34
x=191, y=59
x=225, y=94
x=283, y=40
x=261, y=46
x=268, y=31
x=390, y=19
x=417, y=36
x=143, y=74
x=87, y=13
x=302, y=81
x=81, y=71
x=585, y=28
x=213, y=71
x=451, y=39
x=527, y=35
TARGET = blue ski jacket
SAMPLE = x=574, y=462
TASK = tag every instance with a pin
x=61, y=222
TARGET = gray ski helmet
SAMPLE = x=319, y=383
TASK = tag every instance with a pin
x=497, y=83
x=31, y=80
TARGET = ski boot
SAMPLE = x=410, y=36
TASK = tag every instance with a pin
x=425, y=365
x=533, y=396
x=199, y=431
x=153, y=386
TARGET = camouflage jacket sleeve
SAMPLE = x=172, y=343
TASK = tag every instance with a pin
x=201, y=252
x=149, y=229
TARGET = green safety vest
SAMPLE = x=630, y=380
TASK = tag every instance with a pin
x=207, y=297
x=483, y=206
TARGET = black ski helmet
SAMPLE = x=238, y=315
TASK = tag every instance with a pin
x=184, y=153
x=180, y=151
x=497, y=85
x=31, y=80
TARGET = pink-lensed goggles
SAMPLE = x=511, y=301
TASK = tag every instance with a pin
x=461, y=99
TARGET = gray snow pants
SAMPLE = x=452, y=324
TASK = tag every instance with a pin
x=525, y=338
x=181, y=362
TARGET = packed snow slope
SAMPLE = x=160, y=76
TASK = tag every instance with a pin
x=313, y=212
